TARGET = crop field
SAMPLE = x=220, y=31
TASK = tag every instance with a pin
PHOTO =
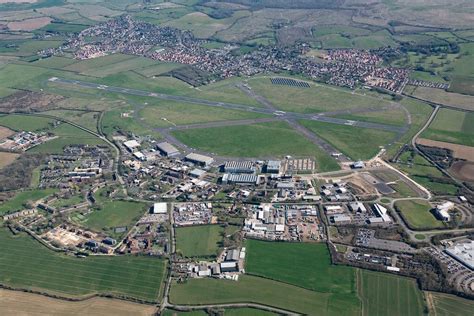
x=318, y=98
x=113, y=214
x=16, y=203
x=13, y=303
x=453, y=127
x=448, y=305
x=417, y=215
x=315, y=272
x=257, y=290
x=199, y=241
x=464, y=85
x=385, y=294
x=456, y=100
x=355, y=142
x=27, y=264
x=261, y=140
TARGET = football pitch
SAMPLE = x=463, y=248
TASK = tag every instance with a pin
x=26, y=264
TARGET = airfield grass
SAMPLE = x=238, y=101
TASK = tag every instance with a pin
x=306, y=265
x=394, y=116
x=417, y=215
x=113, y=121
x=264, y=291
x=27, y=264
x=86, y=65
x=157, y=69
x=111, y=214
x=419, y=112
x=355, y=142
x=16, y=203
x=83, y=118
x=386, y=294
x=449, y=305
x=317, y=98
x=121, y=66
x=274, y=139
x=177, y=113
x=199, y=241
x=453, y=127
x=55, y=62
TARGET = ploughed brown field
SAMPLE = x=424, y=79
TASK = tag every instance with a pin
x=459, y=151
x=463, y=170
x=5, y=132
x=13, y=303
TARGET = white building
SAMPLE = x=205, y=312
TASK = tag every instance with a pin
x=160, y=208
x=131, y=145
x=442, y=211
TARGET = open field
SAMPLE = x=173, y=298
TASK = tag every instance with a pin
x=441, y=304
x=356, y=142
x=7, y=158
x=386, y=294
x=199, y=241
x=83, y=118
x=317, y=98
x=261, y=140
x=263, y=291
x=16, y=203
x=87, y=65
x=114, y=121
x=417, y=215
x=27, y=264
x=13, y=303
x=29, y=24
x=315, y=272
x=453, y=127
x=459, y=151
x=463, y=170
x=114, y=214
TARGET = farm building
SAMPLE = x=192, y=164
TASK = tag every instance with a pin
x=230, y=266
x=168, y=150
x=239, y=167
x=200, y=159
x=232, y=255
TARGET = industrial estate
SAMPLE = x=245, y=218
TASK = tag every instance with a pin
x=236, y=157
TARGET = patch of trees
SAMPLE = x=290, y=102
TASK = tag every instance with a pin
x=191, y=75
x=430, y=49
x=441, y=156
x=18, y=174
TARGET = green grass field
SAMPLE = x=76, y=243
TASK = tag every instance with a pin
x=112, y=214
x=25, y=122
x=258, y=140
x=199, y=241
x=355, y=142
x=317, y=98
x=453, y=127
x=394, y=116
x=385, y=294
x=449, y=305
x=263, y=291
x=27, y=264
x=417, y=214
x=16, y=203
x=306, y=265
